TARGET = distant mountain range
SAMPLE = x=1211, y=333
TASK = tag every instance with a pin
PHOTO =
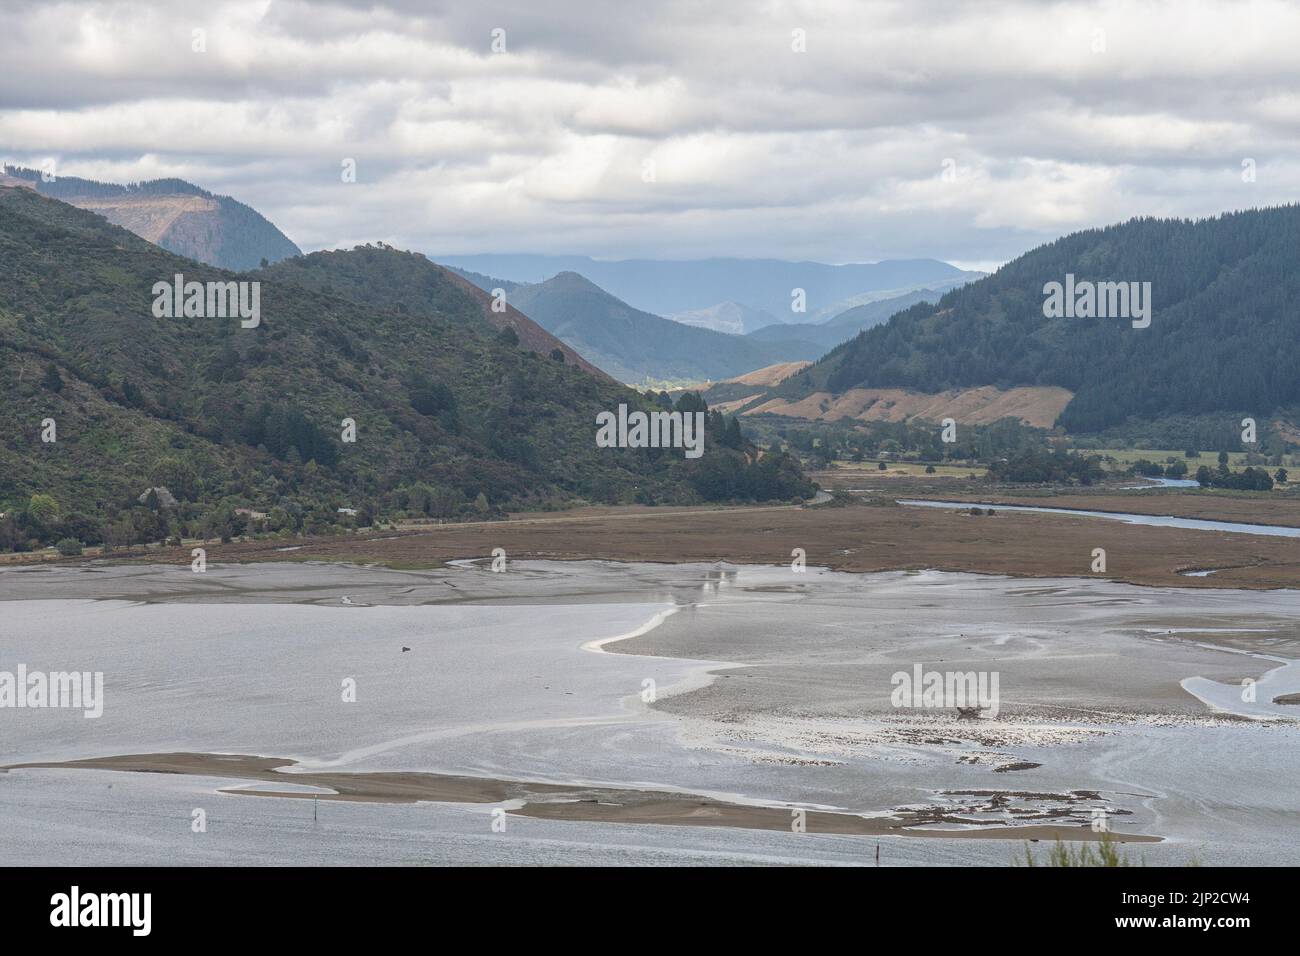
x=821, y=338
x=669, y=288
x=176, y=215
x=635, y=346
x=730, y=317
x=643, y=349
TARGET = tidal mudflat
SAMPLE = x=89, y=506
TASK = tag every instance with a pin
x=612, y=713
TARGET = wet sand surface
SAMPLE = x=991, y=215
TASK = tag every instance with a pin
x=526, y=691
x=571, y=803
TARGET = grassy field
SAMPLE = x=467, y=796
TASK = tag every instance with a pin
x=896, y=469
x=1126, y=457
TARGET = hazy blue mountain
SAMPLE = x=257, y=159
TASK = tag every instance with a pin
x=635, y=346
x=825, y=336
x=838, y=310
x=733, y=318
x=667, y=287
x=486, y=283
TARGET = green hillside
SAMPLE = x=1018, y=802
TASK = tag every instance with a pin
x=1224, y=334
x=454, y=418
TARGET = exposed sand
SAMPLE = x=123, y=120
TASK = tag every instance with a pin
x=575, y=803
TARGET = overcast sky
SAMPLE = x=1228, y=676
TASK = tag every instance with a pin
x=1048, y=117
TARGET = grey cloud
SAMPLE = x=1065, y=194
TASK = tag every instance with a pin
x=833, y=154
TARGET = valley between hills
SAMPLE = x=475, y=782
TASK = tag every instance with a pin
x=703, y=647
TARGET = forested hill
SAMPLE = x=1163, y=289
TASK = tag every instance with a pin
x=453, y=417
x=1224, y=332
x=412, y=285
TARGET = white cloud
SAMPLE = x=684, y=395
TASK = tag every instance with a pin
x=1058, y=116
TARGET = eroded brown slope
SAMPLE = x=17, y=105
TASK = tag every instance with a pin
x=149, y=217
x=1038, y=406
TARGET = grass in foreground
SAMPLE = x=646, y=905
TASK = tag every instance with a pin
x=1105, y=853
